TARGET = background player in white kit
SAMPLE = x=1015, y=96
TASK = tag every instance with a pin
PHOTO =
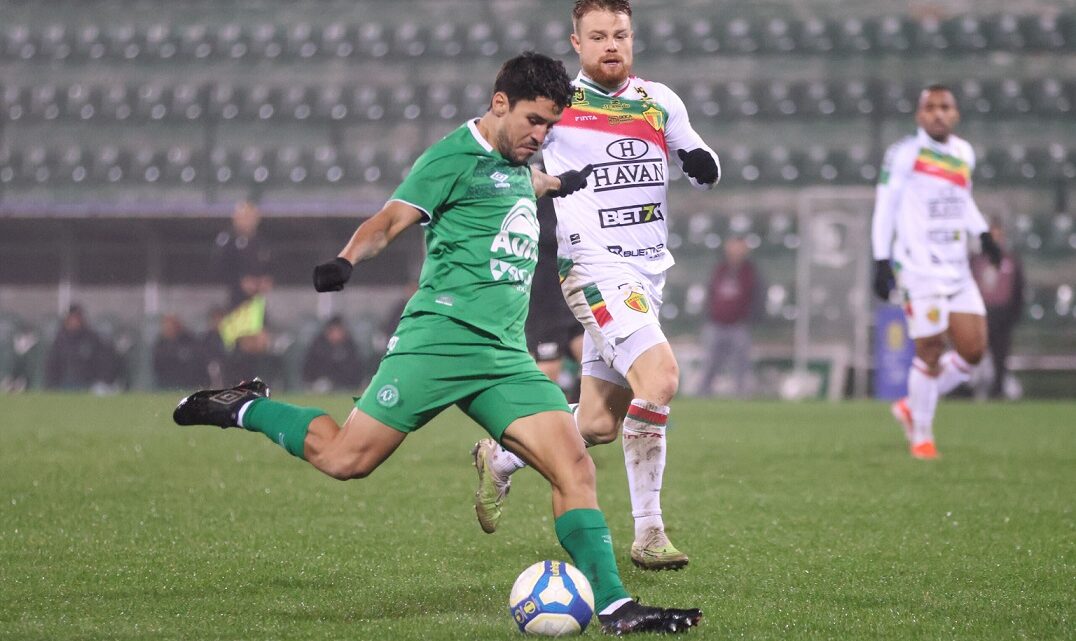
x=922, y=215
x=612, y=258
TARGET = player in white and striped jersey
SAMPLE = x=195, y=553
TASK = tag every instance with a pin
x=923, y=214
x=612, y=257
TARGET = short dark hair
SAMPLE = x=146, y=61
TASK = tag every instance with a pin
x=532, y=75
x=583, y=7
x=938, y=87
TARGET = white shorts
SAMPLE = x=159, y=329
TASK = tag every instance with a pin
x=927, y=305
x=619, y=310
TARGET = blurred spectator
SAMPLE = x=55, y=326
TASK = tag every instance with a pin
x=333, y=361
x=1002, y=288
x=79, y=358
x=252, y=356
x=178, y=361
x=243, y=259
x=733, y=298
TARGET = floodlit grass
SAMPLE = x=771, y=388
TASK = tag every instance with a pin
x=803, y=521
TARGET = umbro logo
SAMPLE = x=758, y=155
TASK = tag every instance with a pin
x=500, y=179
x=226, y=397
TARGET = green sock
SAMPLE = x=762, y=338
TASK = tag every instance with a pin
x=584, y=534
x=284, y=424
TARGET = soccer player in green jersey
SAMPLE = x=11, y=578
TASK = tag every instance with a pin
x=460, y=339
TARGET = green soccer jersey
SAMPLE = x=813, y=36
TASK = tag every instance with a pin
x=481, y=234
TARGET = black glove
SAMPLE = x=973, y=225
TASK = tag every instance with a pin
x=883, y=279
x=572, y=181
x=331, y=276
x=700, y=165
x=990, y=248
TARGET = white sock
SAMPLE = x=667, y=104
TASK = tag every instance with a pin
x=922, y=401
x=955, y=370
x=644, y=459
x=615, y=605
x=242, y=413
x=504, y=463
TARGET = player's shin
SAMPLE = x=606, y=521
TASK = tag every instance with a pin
x=922, y=400
x=585, y=535
x=283, y=423
x=955, y=370
x=644, y=459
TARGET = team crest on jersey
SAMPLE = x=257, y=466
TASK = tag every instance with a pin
x=655, y=117
x=637, y=301
x=933, y=314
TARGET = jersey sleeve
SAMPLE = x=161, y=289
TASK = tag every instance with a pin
x=430, y=183
x=976, y=221
x=891, y=181
x=680, y=135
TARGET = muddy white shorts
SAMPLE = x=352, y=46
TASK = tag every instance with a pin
x=927, y=305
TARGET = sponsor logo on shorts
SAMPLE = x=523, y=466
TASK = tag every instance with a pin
x=637, y=301
x=933, y=314
x=388, y=396
x=630, y=215
x=392, y=343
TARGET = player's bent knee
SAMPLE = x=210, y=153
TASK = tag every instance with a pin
x=600, y=430
x=973, y=356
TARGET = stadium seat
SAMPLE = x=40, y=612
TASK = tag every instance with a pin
x=895, y=35
x=740, y=100
x=702, y=97
x=405, y=102
x=296, y=102
x=116, y=102
x=365, y=102
x=261, y=102
x=229, y=41
x=702, y=37
x=147, y=165
x=816, y=36
x=441, y=102
x=974, y=98
x=664, y=37
x=19, y=42
x=223, y=164
x=518, y=35
x=474, y=100
x=1003, y=33
x=326, y=167
x=161, y=42
x=446, y=40
x=81, y=102
x=109, y=165
x=777, y=99
x=554, y=37
x=330, y=103
x=122, y=42
x=740, y=36
x=855, y=36
x=187, y=102
x=266, y=41
x=1009, y=99
x=10, y=159
x=964, y=34
x=302, y=41
x=90, y=43
x=899, y=98
x=56, y=42
x=194, y=42
x=409, y=40
x=181, y=165
x=929, y=36
x=1050, y=97
x=152, y=101
x=372, y=40
x=337, y=41
x=482, y=40
x=45, y=102
x=72, y=165
x=779, y=36
x=1042, y=32
x=14, y=102
x=856, y=98
x=290, y=165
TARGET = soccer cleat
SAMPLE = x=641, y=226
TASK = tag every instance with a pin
x=635, y=617
x=491, y=492
x=925, y=451
x=218, y=407
x=903, y=414
x=655, y=552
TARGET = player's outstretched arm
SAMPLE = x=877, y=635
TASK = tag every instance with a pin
x=560, y=185
x=368, y=240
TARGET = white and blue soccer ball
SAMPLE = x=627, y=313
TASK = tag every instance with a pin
x=552, y=599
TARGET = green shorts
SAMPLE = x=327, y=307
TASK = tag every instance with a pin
x=434, y=361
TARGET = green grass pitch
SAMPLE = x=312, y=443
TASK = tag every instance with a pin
x=803, y=521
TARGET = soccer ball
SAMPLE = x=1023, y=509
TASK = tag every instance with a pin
x=551, y=599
